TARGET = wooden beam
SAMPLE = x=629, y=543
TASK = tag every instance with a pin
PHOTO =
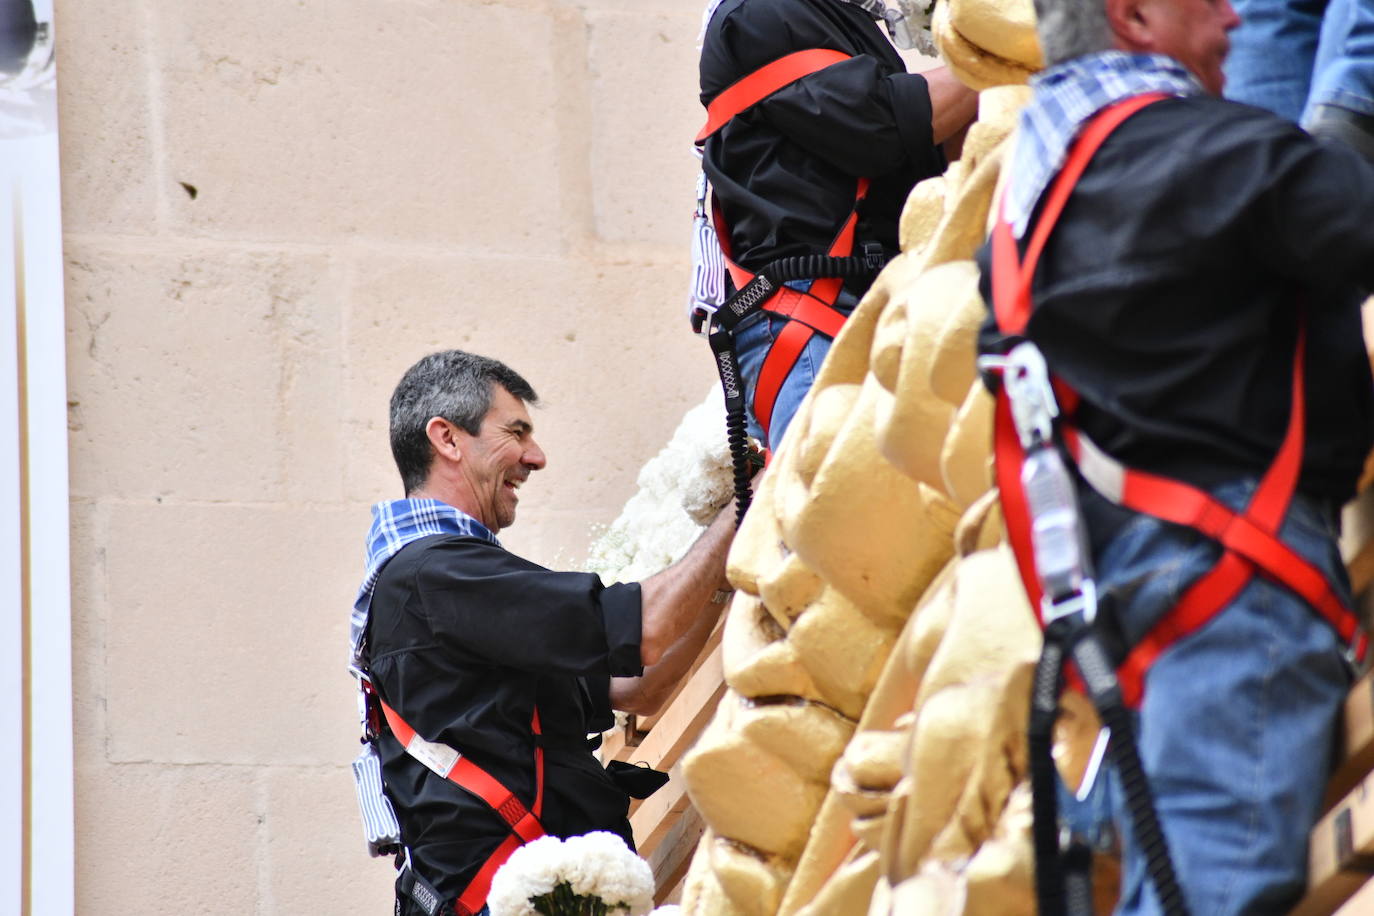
x=673, y=856
x=619, y=743
x=659, y=813
x=1361, y=567
x=680, y=724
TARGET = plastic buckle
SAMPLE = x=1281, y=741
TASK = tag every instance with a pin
x=875, y=259
x=702, y=317
x=1083, y=601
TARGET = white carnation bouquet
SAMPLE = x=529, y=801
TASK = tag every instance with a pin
x=679, y=491
x=591, y=875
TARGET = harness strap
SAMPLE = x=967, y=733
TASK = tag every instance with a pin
x=809, y=312
x=1249, y=539
x=749, y=90
x=1011, y=276
x=1011, y=301
x=459, y=769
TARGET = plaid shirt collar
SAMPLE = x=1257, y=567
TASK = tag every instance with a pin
x=395, y=524
x=1064, y=97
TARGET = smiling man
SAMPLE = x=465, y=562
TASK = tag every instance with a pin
x=488, y=672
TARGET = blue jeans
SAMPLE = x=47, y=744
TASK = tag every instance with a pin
x=1291, y=55
x=753, y=338
x=1237, y=725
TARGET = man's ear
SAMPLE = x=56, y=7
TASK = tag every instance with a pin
x=444, y=438
x=1130, y=22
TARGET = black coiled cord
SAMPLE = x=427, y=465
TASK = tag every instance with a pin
x=1063, y=880
x=783, y=270
x=813, y=266
x=741, y=462
x=1095, y=667
x=1046, y=685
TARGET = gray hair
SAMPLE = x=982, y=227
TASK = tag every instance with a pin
x=451, y=384
x=1071, y=28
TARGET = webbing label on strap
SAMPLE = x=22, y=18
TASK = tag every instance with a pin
x=426, y=898
x=438, y=757
x=728, y=378
x=750, y=296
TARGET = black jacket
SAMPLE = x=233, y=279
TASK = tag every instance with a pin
x=785, y=171
x=1168, y=295
x=464, y=638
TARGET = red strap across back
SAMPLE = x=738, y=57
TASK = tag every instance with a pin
x=1249, y=538
x=810, y=312
x=523, y=822
x=762, y=83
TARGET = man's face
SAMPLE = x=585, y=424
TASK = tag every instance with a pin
x=1193, y=32
x=499, y=458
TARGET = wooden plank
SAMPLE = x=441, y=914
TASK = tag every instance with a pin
x=1361, y=567
x=659, y=813
x=1362, y=904
x=673, y=856
x=619, y=743
x=645, y=723
x=1341, y=853
x=674, y=894
x=1357, y=741
x=681, y=723
x=1357, y=536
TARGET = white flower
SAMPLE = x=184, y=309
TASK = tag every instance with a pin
x=599, y=864
x=680, y=490
x=532, y=870
x=668, y=909
x=595, y=865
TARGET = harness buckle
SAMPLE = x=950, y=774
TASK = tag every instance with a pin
x=1033, y=404
x=369, y=717
x=875, y=259
x=1081, y=601
x=702, y=317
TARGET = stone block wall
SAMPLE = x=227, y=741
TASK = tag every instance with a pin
x=271, y=209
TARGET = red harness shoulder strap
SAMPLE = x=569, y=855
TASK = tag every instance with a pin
x=1011, y=302
x=813, y=311
x=1249, y=538
x=763, y=82
x=460, y=770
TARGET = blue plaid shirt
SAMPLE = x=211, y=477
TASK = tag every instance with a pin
x=395, y=524
x=1064, y=97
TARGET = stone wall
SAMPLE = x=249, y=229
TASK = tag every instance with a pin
x=271, y=209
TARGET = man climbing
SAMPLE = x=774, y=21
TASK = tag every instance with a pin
x=1197, y=303
x=484, y=673
x=844, y=132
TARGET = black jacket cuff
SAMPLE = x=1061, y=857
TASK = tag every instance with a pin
x=621, y=609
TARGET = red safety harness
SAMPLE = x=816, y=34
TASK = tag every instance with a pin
x=1249, y=538
x=808, y=313
x=461, y=771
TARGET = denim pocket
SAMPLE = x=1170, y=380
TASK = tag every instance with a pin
x=1147, y=567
